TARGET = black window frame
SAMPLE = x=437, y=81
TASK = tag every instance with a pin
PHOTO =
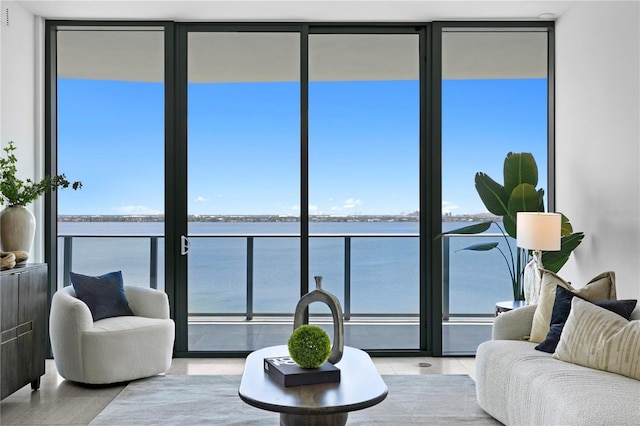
x=430, y=165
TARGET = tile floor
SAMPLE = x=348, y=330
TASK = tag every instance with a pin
x=59, y=402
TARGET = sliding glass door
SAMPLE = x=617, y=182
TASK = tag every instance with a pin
x=245, y=159
x=243, y=188
x=364, y=145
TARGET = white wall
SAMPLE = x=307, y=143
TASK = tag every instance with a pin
x=598, y=139
x=18, y=94
x=17, y=77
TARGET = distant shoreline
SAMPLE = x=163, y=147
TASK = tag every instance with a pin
x=275, y=218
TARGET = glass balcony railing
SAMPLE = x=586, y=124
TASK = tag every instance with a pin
x=373, y=275
x=473, y=281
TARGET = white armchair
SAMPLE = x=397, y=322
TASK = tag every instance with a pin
x=115, y=349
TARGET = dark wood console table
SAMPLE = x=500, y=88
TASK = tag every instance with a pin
x=23, y=324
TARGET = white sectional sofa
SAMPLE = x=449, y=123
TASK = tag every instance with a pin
x=519, y=385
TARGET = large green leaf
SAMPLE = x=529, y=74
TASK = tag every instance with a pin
x=524, y=198
x=492, y=194
x=566, y=228
x=471, y=229
x=541, y=195
x=509, y=224
x=554, y=260
x=480, y=247
x=519, y=168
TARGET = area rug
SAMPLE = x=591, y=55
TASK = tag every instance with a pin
x=428, y=399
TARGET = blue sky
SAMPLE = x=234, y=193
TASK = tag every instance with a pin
x=244, y=144
x=483, y=120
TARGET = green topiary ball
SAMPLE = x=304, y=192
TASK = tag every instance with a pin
x=309, y=346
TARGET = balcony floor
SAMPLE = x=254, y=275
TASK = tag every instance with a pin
x=458, y=337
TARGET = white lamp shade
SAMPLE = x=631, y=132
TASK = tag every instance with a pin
x=539, y=231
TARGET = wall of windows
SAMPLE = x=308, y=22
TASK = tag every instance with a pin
x=230, y=164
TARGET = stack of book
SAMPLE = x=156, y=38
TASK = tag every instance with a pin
x=287, y=373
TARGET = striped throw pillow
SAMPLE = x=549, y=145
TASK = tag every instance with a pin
x=597, y=338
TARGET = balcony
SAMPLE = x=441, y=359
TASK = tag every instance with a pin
x=235, y=306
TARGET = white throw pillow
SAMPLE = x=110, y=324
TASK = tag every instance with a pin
x=597, y=338
x=601, y=287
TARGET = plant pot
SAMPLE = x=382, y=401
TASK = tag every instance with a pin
x=17, y=229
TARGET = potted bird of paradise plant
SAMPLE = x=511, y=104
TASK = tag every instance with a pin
x=518, y=193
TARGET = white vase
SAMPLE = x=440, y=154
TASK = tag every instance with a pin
x=17, y=229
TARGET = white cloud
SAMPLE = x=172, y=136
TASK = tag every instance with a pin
x=351, y=203
x=127, y=210
x=200, y=199
x=448, y=207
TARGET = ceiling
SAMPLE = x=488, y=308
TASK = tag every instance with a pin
x=137, y=56
x=249, y=57
x=296, y=10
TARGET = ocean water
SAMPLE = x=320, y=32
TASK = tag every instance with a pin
x=384, y=264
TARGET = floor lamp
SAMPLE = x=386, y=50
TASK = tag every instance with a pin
x=537, y=231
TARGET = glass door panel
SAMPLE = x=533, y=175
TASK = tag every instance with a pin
x=494, y=101
x=364, y=129
x=243, y=187
x=110, y=122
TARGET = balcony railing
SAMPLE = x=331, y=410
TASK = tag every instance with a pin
x=452, y=265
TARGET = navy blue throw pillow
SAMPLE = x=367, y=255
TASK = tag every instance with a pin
x=104, y=295
x=562, y=308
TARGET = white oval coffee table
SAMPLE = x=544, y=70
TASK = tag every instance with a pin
x=360, y=387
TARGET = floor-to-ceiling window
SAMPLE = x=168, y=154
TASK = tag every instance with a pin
x=359, y=154
x=494, y=101
x=110, y=135
x=243, y=162
x=364, y=181
x=292, y=151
